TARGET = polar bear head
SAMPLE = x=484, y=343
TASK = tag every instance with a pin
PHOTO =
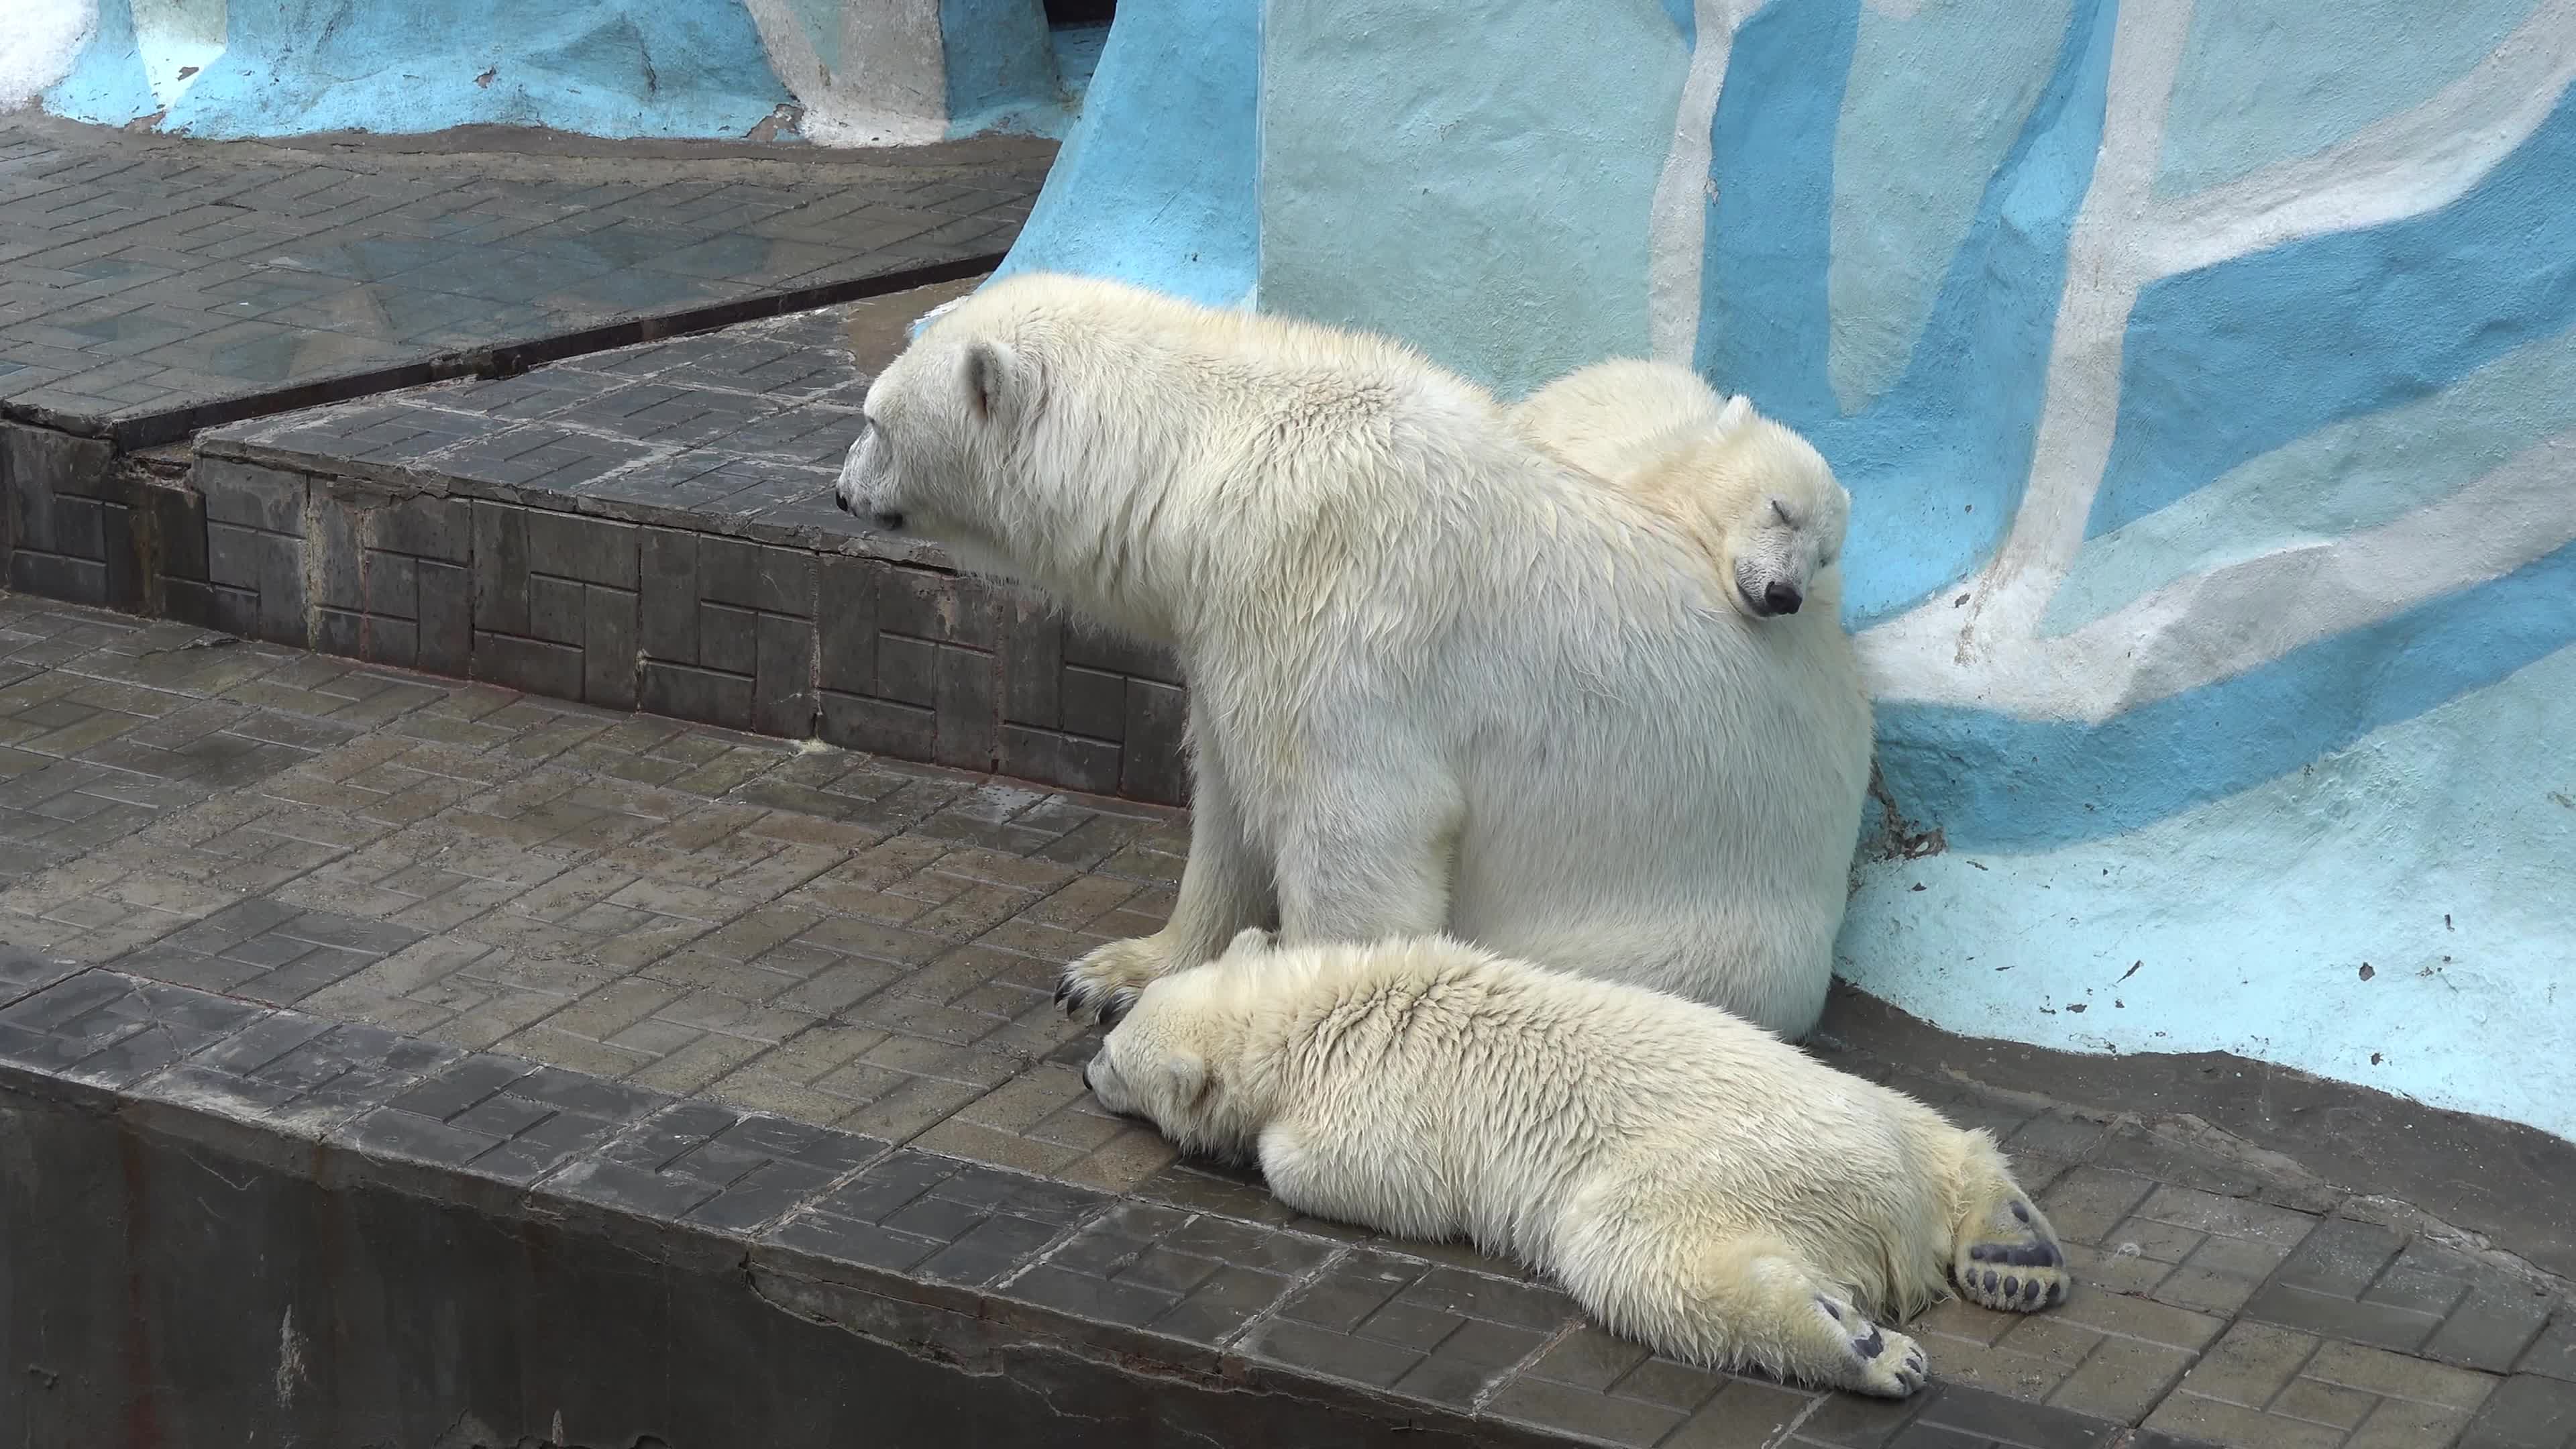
x=1009, y=433
x=938, y=427
x=1764, y=503
x=1176, y=1058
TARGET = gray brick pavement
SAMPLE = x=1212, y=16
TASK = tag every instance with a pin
x=651, y=527
x=730, y=982
x=152, y=284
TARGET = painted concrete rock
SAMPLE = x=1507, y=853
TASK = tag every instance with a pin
x=2204, y=379
x=839, y=72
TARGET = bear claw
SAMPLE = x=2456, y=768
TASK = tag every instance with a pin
x=1883, y=1361
x=1101, y=986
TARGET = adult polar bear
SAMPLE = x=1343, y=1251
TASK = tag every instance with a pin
x=1438, y=680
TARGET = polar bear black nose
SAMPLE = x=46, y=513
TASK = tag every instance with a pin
x=1781, y=598
x=841, y=502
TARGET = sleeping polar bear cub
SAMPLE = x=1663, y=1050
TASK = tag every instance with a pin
x=1756, y=497
x=1439, y=681
x=1695, y=1183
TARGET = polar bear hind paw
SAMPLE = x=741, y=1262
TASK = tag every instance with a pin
x=1881, y=1361
x=1104, y=983
x=2013, y=1262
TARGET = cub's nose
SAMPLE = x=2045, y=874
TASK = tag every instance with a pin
x=1781, y=598
x=841, y=502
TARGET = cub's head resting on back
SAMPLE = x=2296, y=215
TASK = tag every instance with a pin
x=1762, y=503
x=1756, y=499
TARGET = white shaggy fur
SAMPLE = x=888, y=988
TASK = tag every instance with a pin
x=1758, y=499
x=1694, y=1182
x=1439, y=681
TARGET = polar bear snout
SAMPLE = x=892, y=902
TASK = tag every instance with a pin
x=853, y=493
x=1766, y=594
x=883, y=519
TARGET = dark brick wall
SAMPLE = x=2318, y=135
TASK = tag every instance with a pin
x=68, y=526
x=894, y=657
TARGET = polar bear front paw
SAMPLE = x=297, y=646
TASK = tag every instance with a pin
x=1102, y=985
x=2013, y=1263
x=1878, y=1360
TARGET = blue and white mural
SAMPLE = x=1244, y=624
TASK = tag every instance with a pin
x=2205, y=379
x=838, y=72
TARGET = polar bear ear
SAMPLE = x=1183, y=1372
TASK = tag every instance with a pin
x=995, y=380
x=1737, y=412
x=1184, y=1079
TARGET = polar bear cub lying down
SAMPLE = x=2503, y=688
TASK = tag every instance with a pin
x=1756, y=498
x=1693, y=1181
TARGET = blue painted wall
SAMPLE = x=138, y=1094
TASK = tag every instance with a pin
x=617, y=68
x=1155, y=184
x=1001, y=69
x=2205, y=380
x=602, y=67
x=1463, y=201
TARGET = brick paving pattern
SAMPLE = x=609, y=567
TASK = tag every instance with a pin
x=741, y=430
x=151, y=284
x=802, y=996
x=647, y=526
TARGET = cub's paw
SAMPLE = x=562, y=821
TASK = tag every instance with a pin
x=1105, y=983
x=1878, y=1361
x=2013, y=1262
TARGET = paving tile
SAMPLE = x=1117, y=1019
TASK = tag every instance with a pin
x=2398, y=1424
x=952, y=1221
x=2121, y=1379
x=2391, y=1375
x=113, y=1030
x=2553, y=1353
x=716, y=1167
x=2492, y=1327
x=2190, y=1415
x=2525, y=1412
x=384, y=260
x=499, y=1117
x=1545, y=1405
x=1741, y=1415
x=2249, y=1364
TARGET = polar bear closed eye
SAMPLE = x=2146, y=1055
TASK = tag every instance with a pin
x=1759, y=501
x=1694, y=1182
x=1438, y=680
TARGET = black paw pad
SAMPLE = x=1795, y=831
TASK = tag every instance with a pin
x=1871, y=1346
x=2056, y=1293
x=2021, y=1212
x=1991, y=1277
x=2012, y=1287
x=2030, y=1292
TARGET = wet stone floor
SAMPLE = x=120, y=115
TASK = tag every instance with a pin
x=867, y=945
